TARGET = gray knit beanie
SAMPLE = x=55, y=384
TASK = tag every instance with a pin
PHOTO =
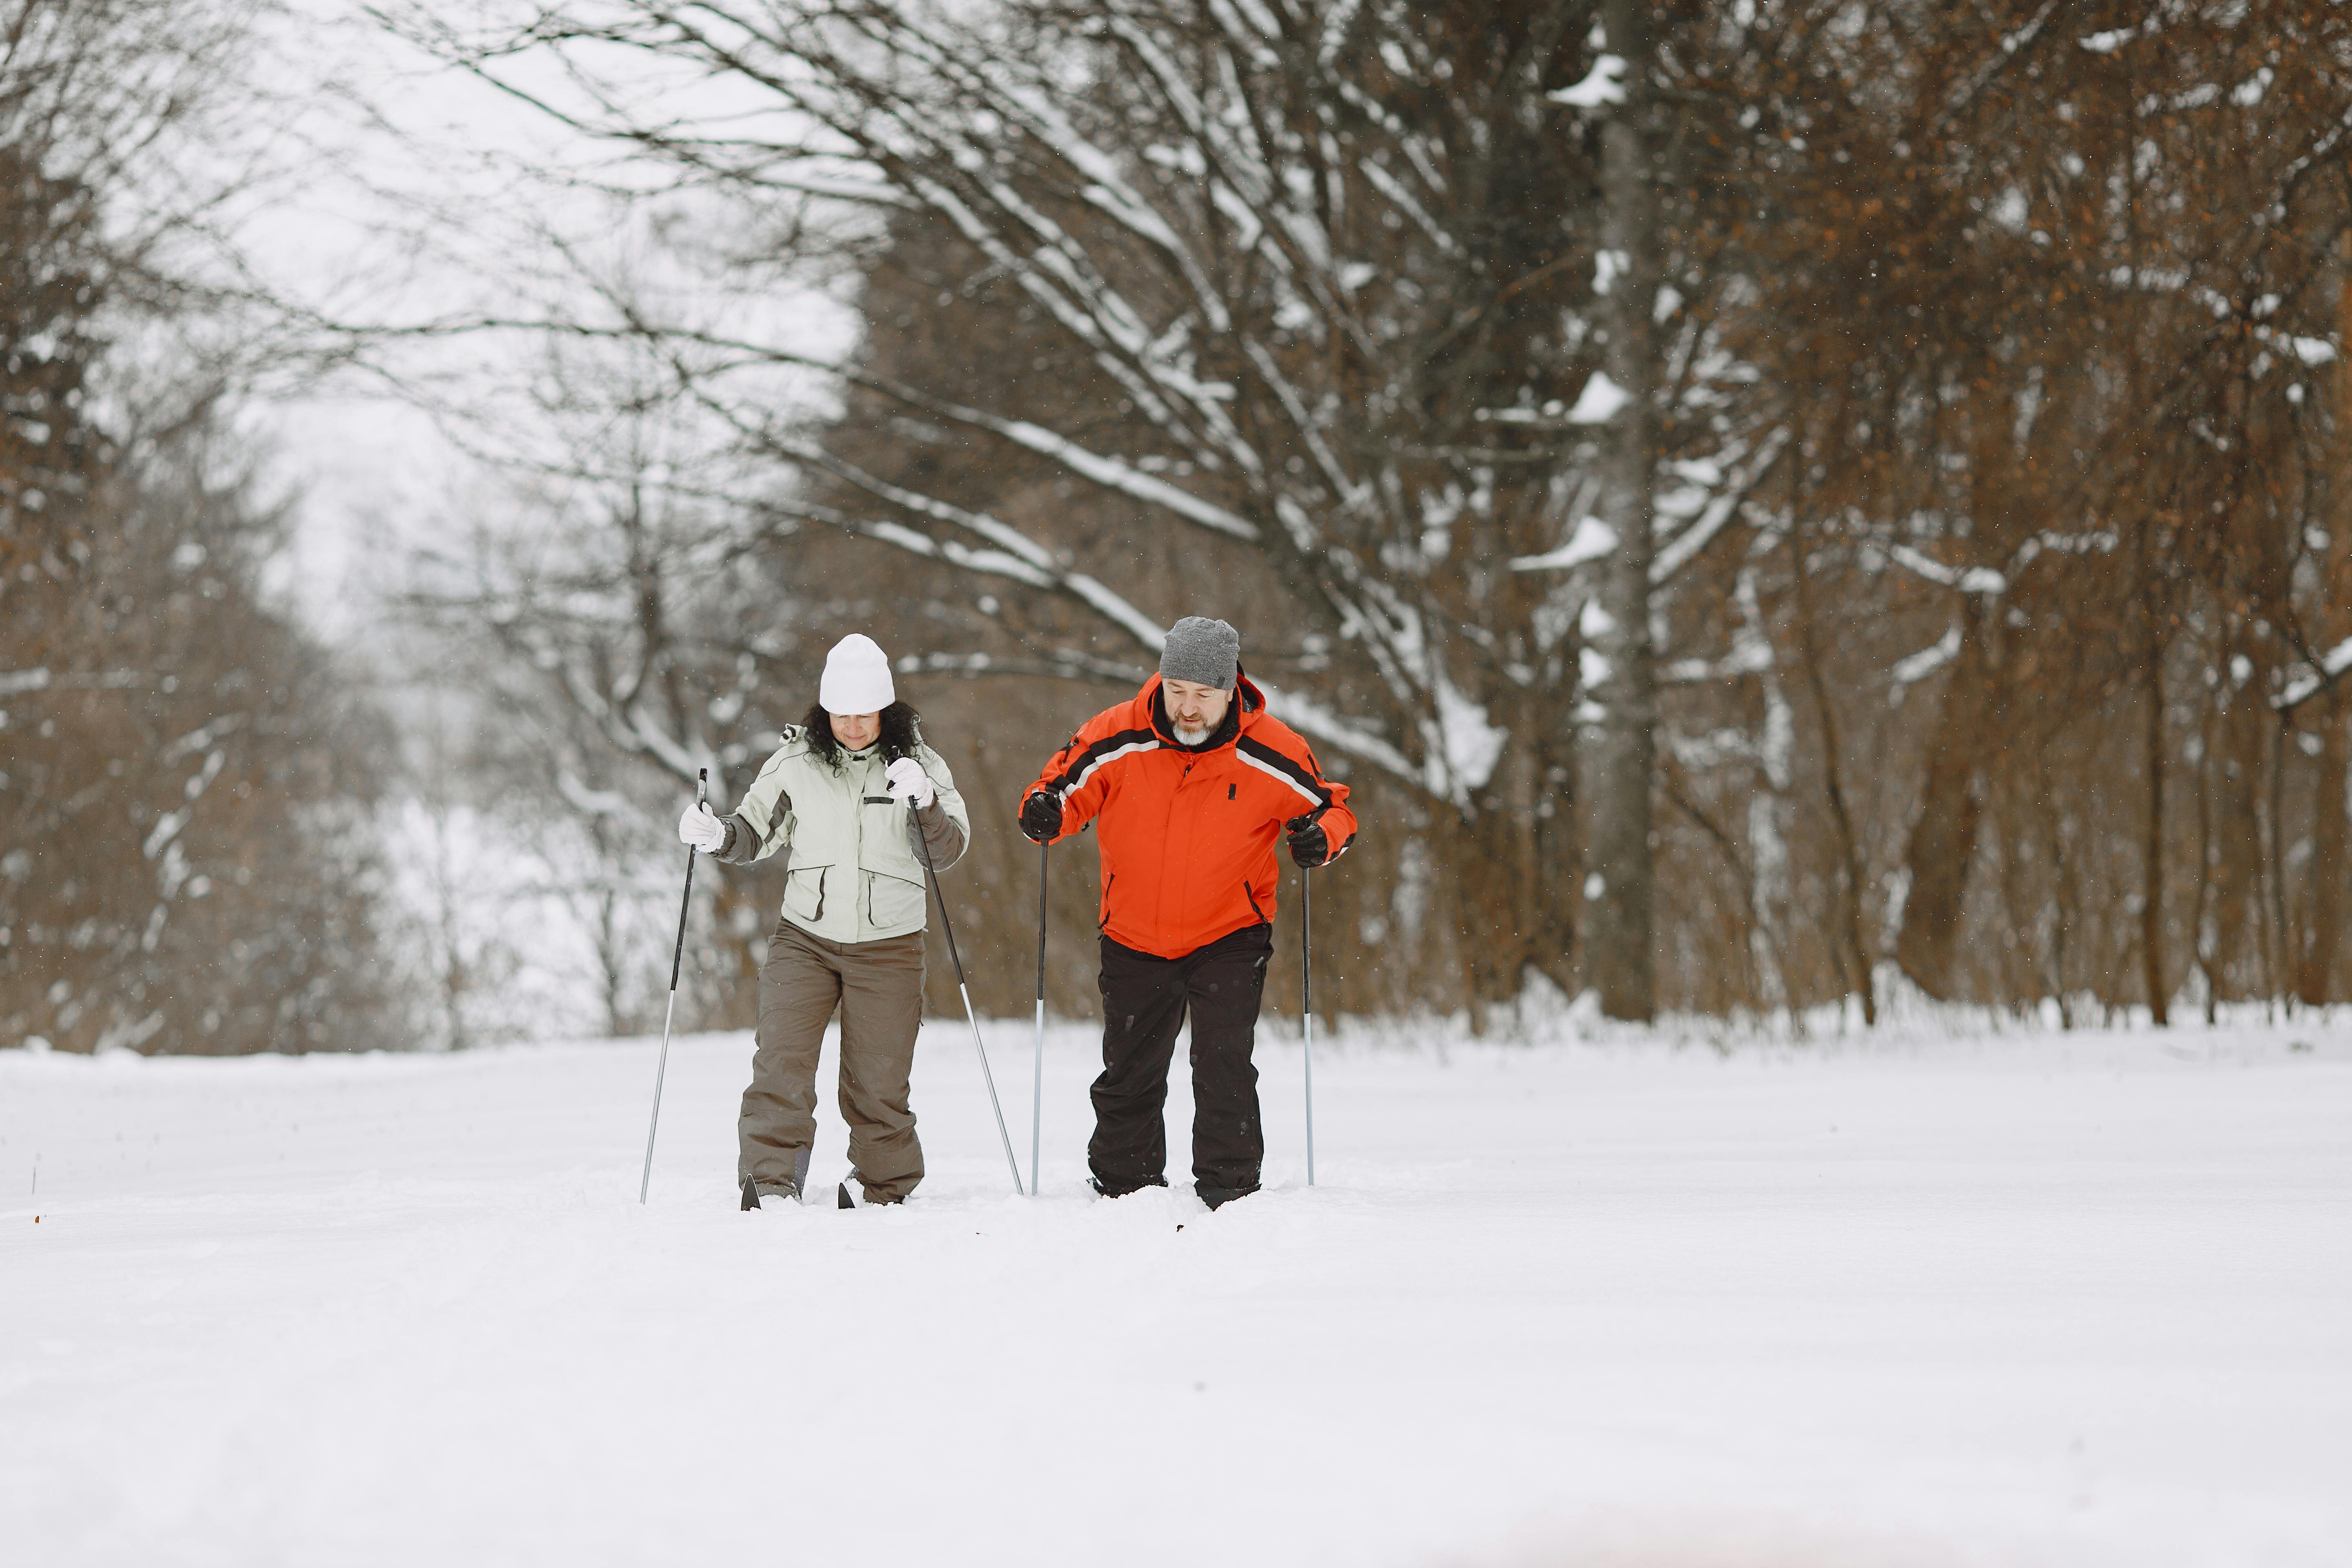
x=1201, y=650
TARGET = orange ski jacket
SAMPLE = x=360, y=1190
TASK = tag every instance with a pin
x=1189, y=836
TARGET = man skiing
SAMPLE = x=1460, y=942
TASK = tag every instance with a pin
x=831, y=801
x=1190, y=784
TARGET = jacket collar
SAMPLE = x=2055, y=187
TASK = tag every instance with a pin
x=1247, y=704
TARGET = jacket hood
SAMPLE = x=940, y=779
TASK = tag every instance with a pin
x=1247, y=704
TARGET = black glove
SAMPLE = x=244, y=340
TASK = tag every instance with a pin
x=1041, y=817
x=1309, y=848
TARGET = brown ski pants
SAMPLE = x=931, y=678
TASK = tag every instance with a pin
x=878, y=987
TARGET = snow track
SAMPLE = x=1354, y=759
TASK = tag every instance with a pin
x=2027, y=1301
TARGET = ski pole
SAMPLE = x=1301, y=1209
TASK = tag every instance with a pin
x=1307, y=994
x=970, y=1017
x=1038, y=1071
x=676, y=957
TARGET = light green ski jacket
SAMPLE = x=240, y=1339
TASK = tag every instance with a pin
x=855, y=871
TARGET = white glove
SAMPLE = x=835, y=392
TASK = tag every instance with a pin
x=701, y=830
x=907, y=781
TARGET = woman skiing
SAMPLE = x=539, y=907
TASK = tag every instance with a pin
x=833, y=800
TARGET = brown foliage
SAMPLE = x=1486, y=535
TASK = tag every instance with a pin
x=1998, y=335
x=181, y=771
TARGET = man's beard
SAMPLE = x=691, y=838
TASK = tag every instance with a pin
x=1191, y=734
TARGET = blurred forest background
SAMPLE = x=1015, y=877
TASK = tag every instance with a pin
x=1771, y=506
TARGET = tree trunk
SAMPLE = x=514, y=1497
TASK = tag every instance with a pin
x=2331, y=855
x=1944, y=838
x=2151, y=914
x=1852, y=948
x=1621, y=959
x=2204, y=950
x=2240, y=924
x=2329, y=859
x=2278, y=953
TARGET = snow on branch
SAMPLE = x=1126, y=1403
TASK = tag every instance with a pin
x=1244, y=250
x=1111, y=473
x=17, y=682
x=1062, y=664
x=1967, y=579
x=1687, y=545
x=1748, y=655
x=944, y=170
x=2308, y=682
x=591, y=802
x=915, y=541
x=1114, y=475
x=1108, y=327
x=1598, y=404
x=626, y=726
x=1592, y=539
x=680, y=758
x=1319, y=723
x=1294, y=407
x=1015, y=556
x=202, y=739
x=1600, y=401
x=1919, y=667
x=167, y=827
x=2011, y=44
x=1604, y=83
x=2108, y=41
x=1388, y=186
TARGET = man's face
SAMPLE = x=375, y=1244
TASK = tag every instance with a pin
x=1196, y=708
x=856, y=731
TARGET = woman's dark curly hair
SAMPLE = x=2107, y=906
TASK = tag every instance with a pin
x=902, y=731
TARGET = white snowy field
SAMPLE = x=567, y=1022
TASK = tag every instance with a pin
x=2031, y=1299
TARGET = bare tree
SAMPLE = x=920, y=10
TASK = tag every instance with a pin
x=1310, y=316
x=184, y=855
x=1823, y=419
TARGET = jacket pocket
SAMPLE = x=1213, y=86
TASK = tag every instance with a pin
x=1102, y=921
x=892, y=901
x=804, y=891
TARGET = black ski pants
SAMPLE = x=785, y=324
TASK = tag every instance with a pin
x=1145, y=1000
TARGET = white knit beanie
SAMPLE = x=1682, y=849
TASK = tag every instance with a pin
x=856, y=678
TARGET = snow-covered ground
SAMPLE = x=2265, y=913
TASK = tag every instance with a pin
x=1910, y=1300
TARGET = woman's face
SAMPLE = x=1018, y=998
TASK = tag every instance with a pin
x=856, y=731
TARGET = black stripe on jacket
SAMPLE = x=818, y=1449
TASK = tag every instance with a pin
x=1267, y=759
x=1112, y=745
